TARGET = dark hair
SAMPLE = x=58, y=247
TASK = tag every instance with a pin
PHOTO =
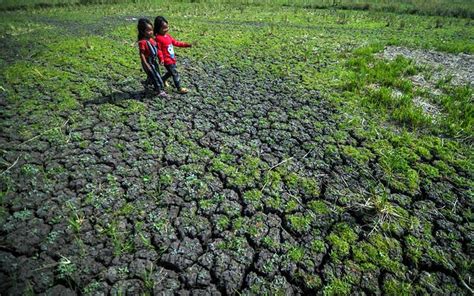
x=141, y=27
x=159, y=20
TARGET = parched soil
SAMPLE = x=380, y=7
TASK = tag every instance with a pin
x=458, y=69
x=459, y=66
x=184, y=252
x=166, y=212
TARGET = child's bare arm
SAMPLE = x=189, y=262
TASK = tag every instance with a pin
x=143, y=58
x=180, y=44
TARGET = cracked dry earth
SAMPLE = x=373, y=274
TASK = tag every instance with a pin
x=240, y=192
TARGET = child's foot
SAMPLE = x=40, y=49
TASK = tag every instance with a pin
x=183, y=90
x=162, y=94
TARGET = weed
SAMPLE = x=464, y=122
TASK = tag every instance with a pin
x=319, y=207
x=30, y=170
x=65, y=268
x=76, y=222
x=206, y=204
x=399, y=173
x=148, y=279
x=22, y=215
x=295, y=254
x=395, y=287
x=380, y=251
x=223, y=223
x=385, y=212
x=127, y=209
x=123, y=271
x=254, y=197
x=164, y=180
x=76, y=219
x=91, y=288
x=161, y=225
x=52, y=236
x=341, y=240
x=318, y=246
x=337, y=287
x=119, y=240
x=269, y=242
x=415, y=248
x=360, y=155
x=299, y=223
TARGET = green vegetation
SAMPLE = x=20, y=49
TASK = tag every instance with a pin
x=337, y=287
x=341, y=240
x=439, y=7
x=66, y=269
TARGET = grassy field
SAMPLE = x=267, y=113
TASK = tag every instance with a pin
x=303, y=160
x=458, y=8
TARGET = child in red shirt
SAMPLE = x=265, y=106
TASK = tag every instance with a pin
x=148, y=54
x=166, y=51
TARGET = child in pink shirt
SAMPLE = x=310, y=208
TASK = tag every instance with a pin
x=166, y=54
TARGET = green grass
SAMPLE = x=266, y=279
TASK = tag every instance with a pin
x=375, y=81
x=459, y=8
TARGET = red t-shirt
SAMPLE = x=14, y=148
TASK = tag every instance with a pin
x=143, y=47
x=166, y=50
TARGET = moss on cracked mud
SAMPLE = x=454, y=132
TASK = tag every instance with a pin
x=302, y=161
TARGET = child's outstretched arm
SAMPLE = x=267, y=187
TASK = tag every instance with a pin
x=179, y=43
